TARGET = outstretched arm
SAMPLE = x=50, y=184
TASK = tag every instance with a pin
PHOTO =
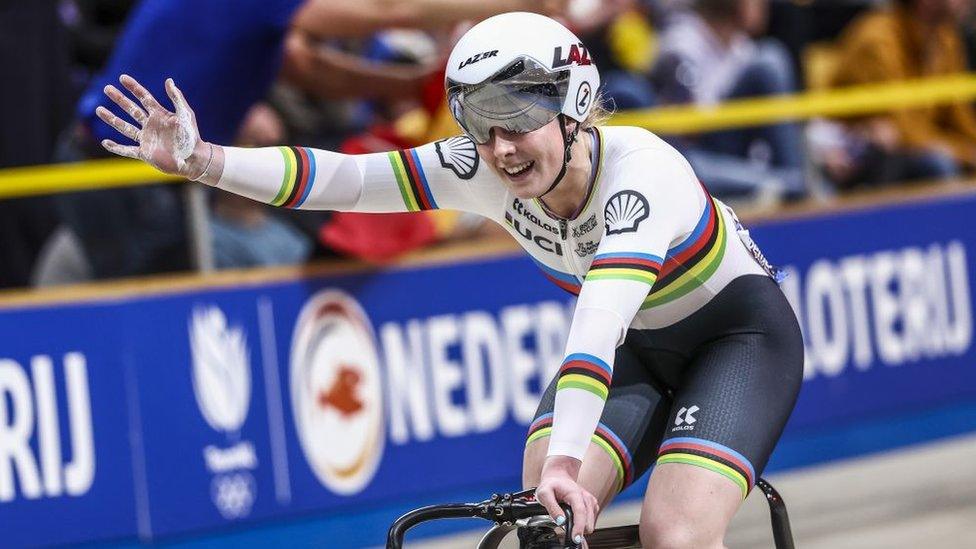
x=437, y=175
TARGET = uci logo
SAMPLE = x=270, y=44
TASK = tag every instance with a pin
x=540, y=241
x=477, y=57
x=577, y=54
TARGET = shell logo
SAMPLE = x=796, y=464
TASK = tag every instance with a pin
x=336, y=392
x=625, y=211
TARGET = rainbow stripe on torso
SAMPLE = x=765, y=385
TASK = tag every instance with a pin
x=691, y=263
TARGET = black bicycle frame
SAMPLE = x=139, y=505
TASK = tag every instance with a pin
x=508, y=508
x=782, y=533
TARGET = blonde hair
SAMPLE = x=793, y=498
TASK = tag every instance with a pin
x=599, y=114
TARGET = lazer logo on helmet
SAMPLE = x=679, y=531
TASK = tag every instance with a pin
x=577, y=54
x=477, y=57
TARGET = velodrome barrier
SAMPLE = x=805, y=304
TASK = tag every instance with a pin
x=195, y=404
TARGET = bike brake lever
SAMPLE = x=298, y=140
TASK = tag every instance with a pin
x=568, y=543
x=508, y=508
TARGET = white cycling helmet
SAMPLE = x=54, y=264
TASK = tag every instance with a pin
x=519, y=71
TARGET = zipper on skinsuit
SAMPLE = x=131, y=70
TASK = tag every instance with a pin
x=568, y=250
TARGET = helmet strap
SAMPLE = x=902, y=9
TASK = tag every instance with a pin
x=568, y=141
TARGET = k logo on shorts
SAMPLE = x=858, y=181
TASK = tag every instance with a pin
x=685, y=420
x=686, y=415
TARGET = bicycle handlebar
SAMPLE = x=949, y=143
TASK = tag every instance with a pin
x=503, y=509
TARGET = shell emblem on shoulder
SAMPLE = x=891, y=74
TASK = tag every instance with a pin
x=458, y=154
x=625, y=211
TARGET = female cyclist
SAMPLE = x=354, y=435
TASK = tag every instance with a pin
x=682, y=350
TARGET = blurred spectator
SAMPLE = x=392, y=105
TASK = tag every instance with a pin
x=911, y=39
x=225, y=55
x=708, y=55
x=36, y=103
x=404, y=69
x=621, y=41
x=224, y=64
x=245, y=233
x=379, y=238
x=315, y=63
x=967, y=27
x=359, y=18
x=93, y=27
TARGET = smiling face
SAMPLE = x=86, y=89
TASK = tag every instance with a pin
x=528, y=163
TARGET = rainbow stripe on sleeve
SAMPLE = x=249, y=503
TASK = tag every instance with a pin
x=410, y=176
x=625, y=266
x=586, y=372
x=298, y=179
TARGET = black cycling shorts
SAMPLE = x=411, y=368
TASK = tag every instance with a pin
x=713, y=390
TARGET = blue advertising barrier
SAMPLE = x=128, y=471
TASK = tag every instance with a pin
x=188, y=411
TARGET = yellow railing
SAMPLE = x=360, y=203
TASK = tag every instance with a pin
x=78, y=176
x=855, y=101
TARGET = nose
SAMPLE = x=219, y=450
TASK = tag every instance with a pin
x=500, y=146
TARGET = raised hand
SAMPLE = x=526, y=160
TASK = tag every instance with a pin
x=167, y=140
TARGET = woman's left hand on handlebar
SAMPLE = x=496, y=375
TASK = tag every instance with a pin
x=559, y=484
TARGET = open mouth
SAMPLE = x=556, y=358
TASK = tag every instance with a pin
x=519, y=171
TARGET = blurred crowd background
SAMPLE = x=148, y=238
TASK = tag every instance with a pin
x=363, y=76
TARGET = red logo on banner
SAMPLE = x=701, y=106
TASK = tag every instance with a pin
x=342, y=394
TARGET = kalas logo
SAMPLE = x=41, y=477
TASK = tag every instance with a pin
x=336, y=392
